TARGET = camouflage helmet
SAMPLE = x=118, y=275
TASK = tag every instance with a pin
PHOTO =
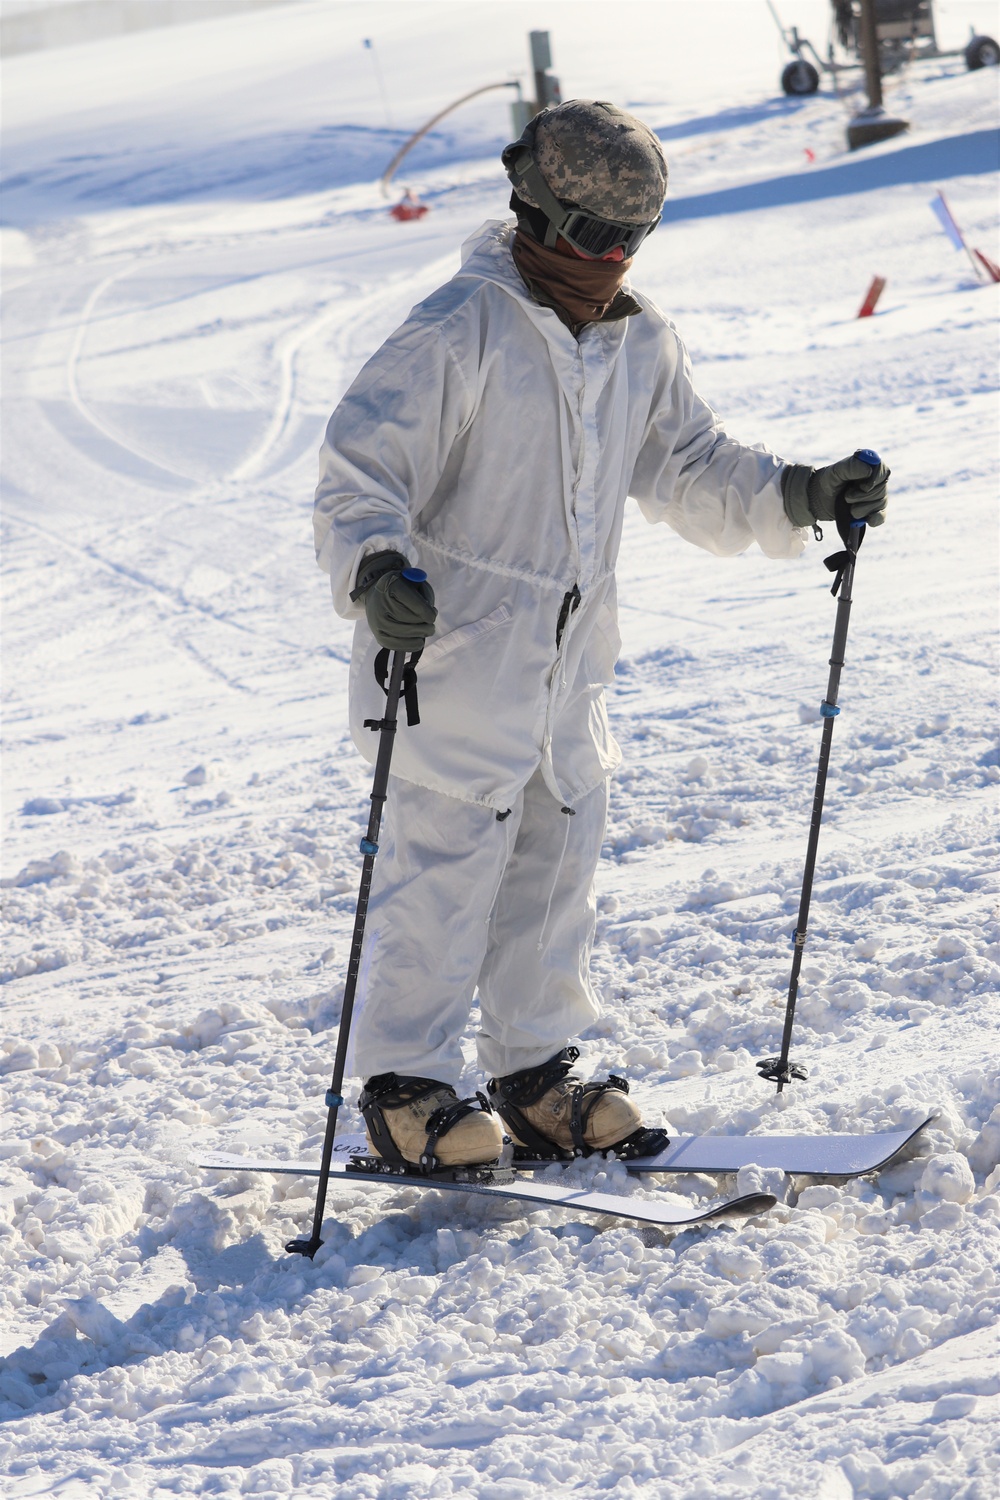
x=595, y=156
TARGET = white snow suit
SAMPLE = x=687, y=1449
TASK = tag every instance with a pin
x=495, y=450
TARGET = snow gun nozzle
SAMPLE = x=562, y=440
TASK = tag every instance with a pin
x=303, y=1247
x=417, y=575
x=868, y=456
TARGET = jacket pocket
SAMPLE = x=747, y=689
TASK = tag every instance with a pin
x=464, y=635
x=603, y=648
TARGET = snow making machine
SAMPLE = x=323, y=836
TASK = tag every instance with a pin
x=905, y=31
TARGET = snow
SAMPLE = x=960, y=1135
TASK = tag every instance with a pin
x=196, y=260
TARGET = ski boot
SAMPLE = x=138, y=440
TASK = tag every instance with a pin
x=553, y=1116
x=420, y=1126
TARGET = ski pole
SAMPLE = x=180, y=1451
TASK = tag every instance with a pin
x=778, y=1069
x=369, y=848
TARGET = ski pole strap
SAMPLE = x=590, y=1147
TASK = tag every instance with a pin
x=409, y=687
x=846, y=524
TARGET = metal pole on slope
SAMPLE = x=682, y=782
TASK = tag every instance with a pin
x=872, y=124
x=369, y=848
x=869, y=49
x=547, y=90
x=369, y=46
x=778, y=1069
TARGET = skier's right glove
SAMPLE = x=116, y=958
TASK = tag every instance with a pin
x=811, y=494
x=400, y=611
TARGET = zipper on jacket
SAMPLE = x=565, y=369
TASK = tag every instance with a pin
x=571, y=602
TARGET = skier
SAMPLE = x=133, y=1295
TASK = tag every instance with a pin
x=492, y=442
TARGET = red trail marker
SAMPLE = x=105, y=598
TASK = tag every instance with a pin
x=872, y=295
x=991, y=266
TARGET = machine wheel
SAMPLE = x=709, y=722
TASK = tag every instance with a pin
x=982, y=52
x=800, y=77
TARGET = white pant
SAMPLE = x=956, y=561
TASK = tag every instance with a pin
x=459, y=900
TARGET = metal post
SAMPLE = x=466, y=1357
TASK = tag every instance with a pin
x=869, y=48
x=369, y=848
x=541, y=61
x=874, y=123
x=369, y=45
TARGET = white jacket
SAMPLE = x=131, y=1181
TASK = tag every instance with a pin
x=495, y=450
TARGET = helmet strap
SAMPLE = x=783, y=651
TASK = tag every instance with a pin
x=522, y=167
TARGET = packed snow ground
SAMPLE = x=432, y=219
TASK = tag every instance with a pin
x=196, y=261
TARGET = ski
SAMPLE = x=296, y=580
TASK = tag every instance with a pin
x=675, y=1215
x=808, y=1155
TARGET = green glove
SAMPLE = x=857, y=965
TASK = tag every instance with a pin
x=811, y=494
x=400, y=611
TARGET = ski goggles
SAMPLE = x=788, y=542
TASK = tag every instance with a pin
x=596, y=238
x=591, y=236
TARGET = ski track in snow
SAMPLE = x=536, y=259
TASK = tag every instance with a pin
x=183, y=805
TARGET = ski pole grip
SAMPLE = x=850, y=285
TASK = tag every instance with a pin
x=417, y=575
x=856, y=527
x=867, y=456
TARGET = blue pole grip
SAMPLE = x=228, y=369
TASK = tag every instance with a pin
x=415, y=575
x=867, y=456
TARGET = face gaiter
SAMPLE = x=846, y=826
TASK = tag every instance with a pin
x=583, y=289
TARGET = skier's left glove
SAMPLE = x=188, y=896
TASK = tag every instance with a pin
x=811, y=494
x=400, y=611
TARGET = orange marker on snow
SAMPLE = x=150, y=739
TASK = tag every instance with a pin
x=409, y=207
x=872, y=295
